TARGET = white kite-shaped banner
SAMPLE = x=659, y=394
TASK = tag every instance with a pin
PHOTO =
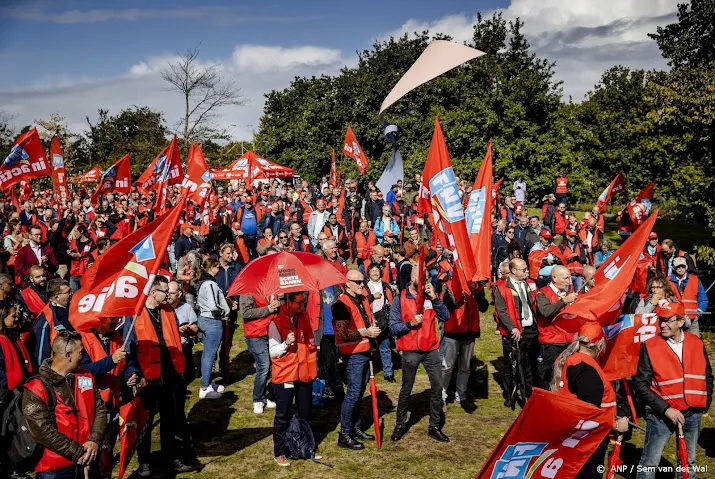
x=440, y=56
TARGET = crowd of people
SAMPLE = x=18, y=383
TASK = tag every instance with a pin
x=72, y=384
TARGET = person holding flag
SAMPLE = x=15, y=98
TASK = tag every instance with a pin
x=415, y=329
x=578, y=375
x=675, y=382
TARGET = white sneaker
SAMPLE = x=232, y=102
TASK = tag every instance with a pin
x=457, y=399
x=209, y=393
x=218, y=388
x=257, y=408
x=269, y=404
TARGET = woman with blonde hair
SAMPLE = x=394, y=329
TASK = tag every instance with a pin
x=578, y=375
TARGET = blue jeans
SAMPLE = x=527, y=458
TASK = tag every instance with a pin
x=212, y=330
x=658, y=432
x=75, y=283
x=358, y=374
x=258, y=347
x=72, y=472
x=577, y=282
x=386, y=355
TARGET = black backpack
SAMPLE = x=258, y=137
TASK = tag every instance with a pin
x=300, y=443
x=24, y=451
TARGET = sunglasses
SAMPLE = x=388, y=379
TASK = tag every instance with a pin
x=361, y=282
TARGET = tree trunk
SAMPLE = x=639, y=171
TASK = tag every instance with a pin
x=186, y=117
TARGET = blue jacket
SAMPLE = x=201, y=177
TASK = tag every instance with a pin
x=702, y=297
x=398, y=327
x=41, y=331
x=379, y=228
x=225, y=276
x=101, y=367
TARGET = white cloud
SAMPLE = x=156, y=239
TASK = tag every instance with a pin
x=261, y=59
x=584, y=37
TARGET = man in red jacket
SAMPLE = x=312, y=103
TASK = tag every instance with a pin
x=34, y=253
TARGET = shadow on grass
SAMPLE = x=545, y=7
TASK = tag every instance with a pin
x=241, y=366
x=707, y=441
x=630, y=455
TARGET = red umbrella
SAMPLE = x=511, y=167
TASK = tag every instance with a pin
x=285, y=272
x=132, y=420
x=615, y=460
x=683, y=453
x=375, y=413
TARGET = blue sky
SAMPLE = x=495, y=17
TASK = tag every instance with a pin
x=74, y=57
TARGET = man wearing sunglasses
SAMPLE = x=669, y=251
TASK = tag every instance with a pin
x=675, y=382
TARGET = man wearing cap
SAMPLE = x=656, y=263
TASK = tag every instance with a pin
x=675, y=382
x=651, y=251
x=689, y=290
x=317, y=220
x=543, y=256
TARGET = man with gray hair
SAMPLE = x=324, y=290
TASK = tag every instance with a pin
x=550, y=300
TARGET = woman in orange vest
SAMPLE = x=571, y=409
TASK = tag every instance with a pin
x=294, y=360
x=675, y=382
x=13, y=355
x=578, y=375
x=380, y=296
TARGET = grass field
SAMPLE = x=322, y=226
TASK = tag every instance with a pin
x=233, y=442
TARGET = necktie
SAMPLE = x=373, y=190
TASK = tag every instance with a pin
x=524, y=301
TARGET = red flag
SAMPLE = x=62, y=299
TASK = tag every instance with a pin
x=25, y=190
x=478, y=213
x=91, y=176
x=639, y=207
x=439, y=197
x=197, y=184
x=132, y=421
x=552, y=437
x=333, y=172
x=420, y=298
x=614, y=462
x=117, y=178
x=640, y=278
x=118, y=282
x=352, y=148
x=25, y=161
x=165, y=168
x=495, y=191
x=623, y=343
x=604, y=301
x=59, y=175
x=618, y=184
x=10, y=194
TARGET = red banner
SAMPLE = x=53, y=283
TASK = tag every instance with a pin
x=59, y=174
x=165, y=168
x=117, y=178
x=25, y=190
x=604, y=301
x=132, y=420
x=118, y=282
x=25, y=161
x=623, y=343
x=639, y=207
x=478, y=215
x=618, y=184
x=333, y=172
x=439, y=197
x=552, y=437
x=197, y=185
x=352, y=148
x=495, y=192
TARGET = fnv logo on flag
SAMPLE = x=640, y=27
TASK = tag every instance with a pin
x=614, y=266
x=25, y=161
x=143, y=251
x=443, y=187
x=475, y=210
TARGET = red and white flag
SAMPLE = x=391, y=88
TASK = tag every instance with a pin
x=197, y=185
x=352, y=148
x=333, y=172
x=25, y=161
x=439, y=197
x=552, y=437
x=623, y=343
x=118, y=282
x=59, y=174
x=604, y=301
x=117, y=179
x=639, y=207
x=165, y=168
x=478, y=214
x=618, y=184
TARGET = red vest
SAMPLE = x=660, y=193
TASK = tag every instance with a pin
x=300, y=362
x=79, y=266
x=682, y=385
x=364, y=245
x=13, y=360
x=422, y=337
x=356, y=322
x=573, y=265
x=465, y=318
x=560, y=222
x=508, y=294
x=33, y=301
x=50, y=318
x=689, y=296
x=307, y=210
x=562, y=184
x=109, y=385
x=609, y=395
x=257, y=328
x=75, y=423
x=304, y=244
x=549, y=334
x=536, y=257
x=148, y=343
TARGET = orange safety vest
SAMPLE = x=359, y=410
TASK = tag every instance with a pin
x=562, y=184
x=109, y=385
x=300, y=361
x=420, y=338
x=357, y=322
x=681, y=384
x=75, y=423
x=608, y=401
x=509, y=294
x=148, y=351
x=549, y=334
x=560, y=223
x=50, y=318
x=79, y=266
x=689, y=296
x=574, y=266
x=307, y=210
x=242, y=255
x=13, y=361
x=364, y=244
